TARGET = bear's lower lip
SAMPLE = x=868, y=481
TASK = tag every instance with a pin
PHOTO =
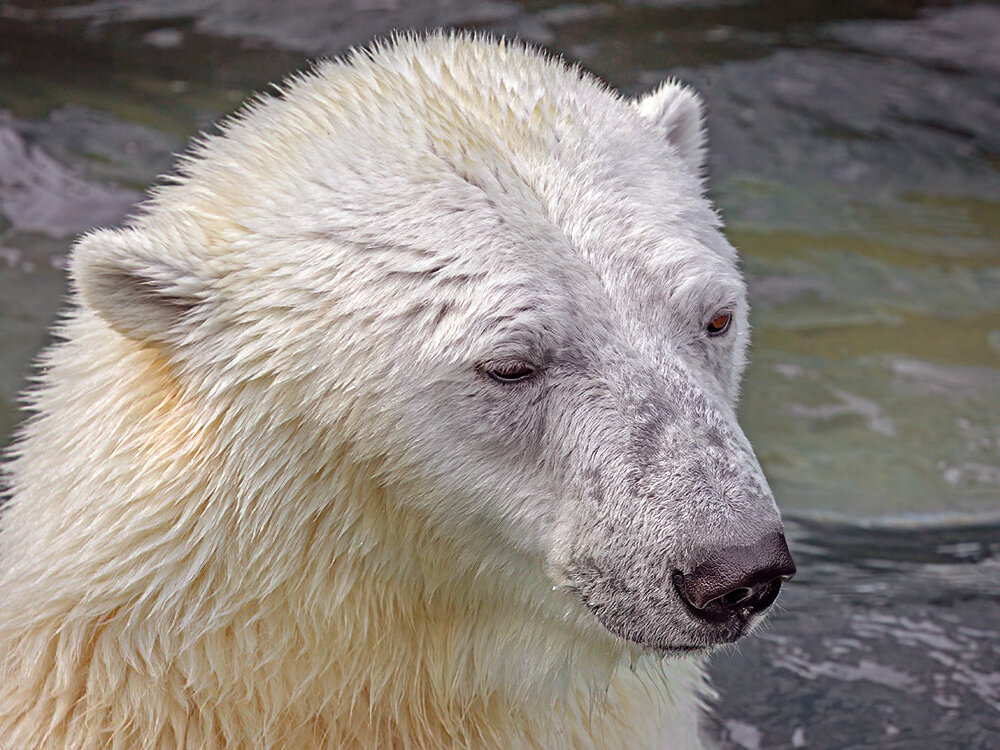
x=704, y=638
x=667, y=649
x=689, y=648
x=677, y=649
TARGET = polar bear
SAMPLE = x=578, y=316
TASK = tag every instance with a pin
x=401, y=417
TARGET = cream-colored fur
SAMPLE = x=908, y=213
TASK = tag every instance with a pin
x=220, y=533
x=150, y=599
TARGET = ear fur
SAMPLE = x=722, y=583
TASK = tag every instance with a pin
x=678, y=111
x=137, y=287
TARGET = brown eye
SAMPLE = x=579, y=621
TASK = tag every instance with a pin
x=719, y=324
x=509, y=372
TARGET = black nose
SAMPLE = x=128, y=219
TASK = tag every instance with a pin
x=737, y=580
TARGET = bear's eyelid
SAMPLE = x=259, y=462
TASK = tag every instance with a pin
x=509, y=369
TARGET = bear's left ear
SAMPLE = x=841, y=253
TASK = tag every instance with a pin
x=139, y=286
x=677, y=111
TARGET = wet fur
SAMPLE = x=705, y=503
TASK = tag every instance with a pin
x=268, y=497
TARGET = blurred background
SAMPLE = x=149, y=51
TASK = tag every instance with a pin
x=855, y=156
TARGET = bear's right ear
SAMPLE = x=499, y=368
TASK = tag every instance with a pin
x=677, y=111
x=140, y=290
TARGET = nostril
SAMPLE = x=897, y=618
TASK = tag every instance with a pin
x=745, y=600
x=736, y=596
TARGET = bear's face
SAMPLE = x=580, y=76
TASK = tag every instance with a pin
x=503, y=286
x=588, y=419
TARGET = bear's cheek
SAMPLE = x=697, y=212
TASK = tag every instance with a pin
x=471, y=464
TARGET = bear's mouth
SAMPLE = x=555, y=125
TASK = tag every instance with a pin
x=650, y=635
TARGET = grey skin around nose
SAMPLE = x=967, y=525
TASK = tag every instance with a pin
x=736, y=581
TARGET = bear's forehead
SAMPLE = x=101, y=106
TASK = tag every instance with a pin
x=490, y=159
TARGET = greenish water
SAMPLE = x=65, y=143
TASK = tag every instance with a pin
x=855, y=156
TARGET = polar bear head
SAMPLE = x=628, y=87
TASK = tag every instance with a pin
x=497, y=287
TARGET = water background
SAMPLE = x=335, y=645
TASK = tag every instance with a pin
x=855, y=156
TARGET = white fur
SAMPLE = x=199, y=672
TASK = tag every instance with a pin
x=678, y=111
x=269, y=498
